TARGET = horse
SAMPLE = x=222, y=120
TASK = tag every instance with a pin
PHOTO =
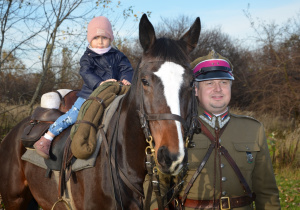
x=154, y=110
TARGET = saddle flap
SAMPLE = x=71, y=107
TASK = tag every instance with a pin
x=41, y=119
x=33, y=131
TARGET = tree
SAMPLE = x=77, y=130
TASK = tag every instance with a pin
x=275, y=69
x=14, y=14
x=37, y=32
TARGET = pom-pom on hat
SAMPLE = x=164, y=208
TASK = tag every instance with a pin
x=212, y=66
x=99, y=26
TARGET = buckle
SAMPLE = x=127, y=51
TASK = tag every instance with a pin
x=221, y=201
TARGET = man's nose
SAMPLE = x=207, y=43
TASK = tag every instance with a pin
x=218, y=87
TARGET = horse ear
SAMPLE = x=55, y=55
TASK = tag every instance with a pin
x=191, y=37
x=146, y=33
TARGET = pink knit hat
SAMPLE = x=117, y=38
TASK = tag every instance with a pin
x=99, y=26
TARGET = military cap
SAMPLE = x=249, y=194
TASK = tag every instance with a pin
x=212, y=66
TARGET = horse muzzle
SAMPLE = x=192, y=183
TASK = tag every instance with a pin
x=169, y=163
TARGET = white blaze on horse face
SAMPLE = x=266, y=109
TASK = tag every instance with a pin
x=171, y=75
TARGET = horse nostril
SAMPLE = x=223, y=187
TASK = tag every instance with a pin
x=164, y=156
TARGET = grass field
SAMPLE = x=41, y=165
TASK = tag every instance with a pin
x=288, y=182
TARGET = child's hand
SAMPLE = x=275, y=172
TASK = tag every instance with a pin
x=125, y=82
x=109, y=80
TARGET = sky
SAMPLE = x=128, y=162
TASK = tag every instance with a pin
x=226, y=14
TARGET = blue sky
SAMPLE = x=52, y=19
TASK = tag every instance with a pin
x=227, y=14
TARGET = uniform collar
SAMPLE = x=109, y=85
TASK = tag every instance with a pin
x=213, y=120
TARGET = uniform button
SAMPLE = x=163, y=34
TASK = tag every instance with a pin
x=224, y=179
x=222, y=165
x=224, y=193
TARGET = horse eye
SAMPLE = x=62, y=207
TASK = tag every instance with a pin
x=145, y=82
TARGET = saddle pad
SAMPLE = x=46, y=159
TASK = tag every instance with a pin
x=31, y=156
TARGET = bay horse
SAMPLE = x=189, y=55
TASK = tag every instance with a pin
x=161, y=89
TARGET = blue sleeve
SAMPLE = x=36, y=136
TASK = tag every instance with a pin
x=125, y=68
x=87, y=72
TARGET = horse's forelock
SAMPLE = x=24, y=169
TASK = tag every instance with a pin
x=169, y=50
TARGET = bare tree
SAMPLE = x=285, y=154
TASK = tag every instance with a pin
x=274, y=72
x=13, y=15
x=55, y=16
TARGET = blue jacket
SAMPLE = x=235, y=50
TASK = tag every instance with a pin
x=95, y=68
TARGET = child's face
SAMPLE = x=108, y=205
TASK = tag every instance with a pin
x=100, y=42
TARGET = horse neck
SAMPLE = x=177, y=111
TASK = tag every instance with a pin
x=131, y=144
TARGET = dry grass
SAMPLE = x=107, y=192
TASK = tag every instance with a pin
x=10, y=115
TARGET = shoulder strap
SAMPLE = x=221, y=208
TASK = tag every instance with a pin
x=207, y=133
x=230, y=160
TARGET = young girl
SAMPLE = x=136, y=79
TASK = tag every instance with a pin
x=100, y=63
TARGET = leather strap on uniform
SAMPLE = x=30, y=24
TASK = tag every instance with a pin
x=236, y=170
x=198, y=171
x=228, y=158
x=205, y=159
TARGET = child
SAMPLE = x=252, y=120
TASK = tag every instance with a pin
x=100, y=63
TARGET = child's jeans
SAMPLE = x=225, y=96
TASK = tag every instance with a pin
x=69, y=118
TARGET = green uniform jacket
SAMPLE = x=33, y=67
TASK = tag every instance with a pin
x=242, y=134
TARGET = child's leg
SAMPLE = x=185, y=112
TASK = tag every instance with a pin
x=42, y=146
x=69, y=118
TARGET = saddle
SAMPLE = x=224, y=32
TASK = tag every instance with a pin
x=39, y=123
x=42, y=118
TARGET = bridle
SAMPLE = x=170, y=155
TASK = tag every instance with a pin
x=152, y=166
x=151, y=162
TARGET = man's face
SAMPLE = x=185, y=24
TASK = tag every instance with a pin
x=214, y=95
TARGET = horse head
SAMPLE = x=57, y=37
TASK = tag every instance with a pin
x=165, y=82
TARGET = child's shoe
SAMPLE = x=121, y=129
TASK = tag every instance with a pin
x=42, y=147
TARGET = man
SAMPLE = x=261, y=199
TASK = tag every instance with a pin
x=229, y=162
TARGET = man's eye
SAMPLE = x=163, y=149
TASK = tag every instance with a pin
x=225, y=82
